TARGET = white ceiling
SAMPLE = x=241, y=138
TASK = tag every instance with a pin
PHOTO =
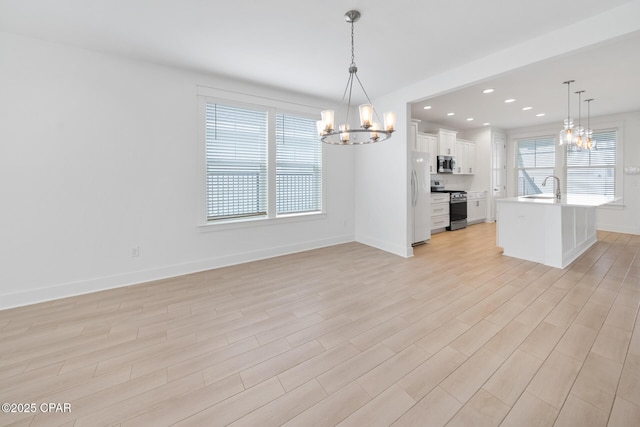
x=304, y=46
x=608, y=73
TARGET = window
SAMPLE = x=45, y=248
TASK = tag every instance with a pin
x=236, y=144
x=594, y=171
x=536, y=160
x=298, y=165
x=243, y=179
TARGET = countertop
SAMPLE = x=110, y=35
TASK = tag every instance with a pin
x=567, y=200
x=474, y=195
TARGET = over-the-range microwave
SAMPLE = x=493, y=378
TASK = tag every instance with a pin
x=446, y=164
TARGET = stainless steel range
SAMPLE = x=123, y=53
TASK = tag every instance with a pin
x=457, y=205
x=457, y=210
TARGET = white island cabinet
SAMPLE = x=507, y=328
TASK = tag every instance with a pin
x=545, y=230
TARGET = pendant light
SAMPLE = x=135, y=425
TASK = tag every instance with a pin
x=578, y=138
x=566, y=134
x=370, y=130
x=588, y=141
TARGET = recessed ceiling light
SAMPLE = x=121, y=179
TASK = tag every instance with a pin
x=486, y=124
x=451, y=114
x=487, y=90
x=526, y=108
x=510, y=100
x=470, y=119
x=539, y=114
x=427, y=107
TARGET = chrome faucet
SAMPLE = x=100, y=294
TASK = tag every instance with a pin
x=558, y=194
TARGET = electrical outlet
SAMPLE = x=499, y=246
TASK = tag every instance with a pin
x=135, y=251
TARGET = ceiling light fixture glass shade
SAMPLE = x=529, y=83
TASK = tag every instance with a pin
x=566, y=134
x=369, y=130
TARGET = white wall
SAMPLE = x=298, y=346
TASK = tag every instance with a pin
x=380, y=170
x=627, y=218
x=381, y=191
x=100, y=154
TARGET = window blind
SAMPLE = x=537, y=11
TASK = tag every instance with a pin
x=536, y=160
x=298, y=165
x=236, y=156
x=594, y=171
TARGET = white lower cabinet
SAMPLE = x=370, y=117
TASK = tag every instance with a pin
x=476, y=207
x=439, y=211
x=439, y=222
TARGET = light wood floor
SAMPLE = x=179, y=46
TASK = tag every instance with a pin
x=458, y=335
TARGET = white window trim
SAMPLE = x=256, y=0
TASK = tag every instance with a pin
x=559, y=169
x=215, y=95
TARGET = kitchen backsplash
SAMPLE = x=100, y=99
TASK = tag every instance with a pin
x=454, y=182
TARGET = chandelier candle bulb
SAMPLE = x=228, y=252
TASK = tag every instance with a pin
x=389, y=121
x=375, y=126
x=327, y=118
x=366, y=116
x=344, y=134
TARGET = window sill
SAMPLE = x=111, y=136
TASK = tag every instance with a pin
x=234, y=224
x=617, y=205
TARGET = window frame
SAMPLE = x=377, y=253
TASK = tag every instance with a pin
x=272, y=106
x=541, y=136
x=314, y=118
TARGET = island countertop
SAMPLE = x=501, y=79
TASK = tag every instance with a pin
x=567, y=200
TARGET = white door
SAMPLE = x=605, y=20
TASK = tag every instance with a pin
x=498, y=172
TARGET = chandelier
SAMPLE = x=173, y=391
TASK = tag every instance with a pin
x=369, y=130
x=576, y=139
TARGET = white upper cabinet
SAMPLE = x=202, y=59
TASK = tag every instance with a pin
x=446, y=142
x=465, y=157
x=428, y=143
x=471, y=158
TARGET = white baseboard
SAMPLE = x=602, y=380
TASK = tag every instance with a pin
x=65, y=290
x=404, y=252
x=617, y=228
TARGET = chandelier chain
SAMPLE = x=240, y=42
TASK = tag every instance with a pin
x=353, y=55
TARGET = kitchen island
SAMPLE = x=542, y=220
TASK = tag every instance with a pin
x=542, y=229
